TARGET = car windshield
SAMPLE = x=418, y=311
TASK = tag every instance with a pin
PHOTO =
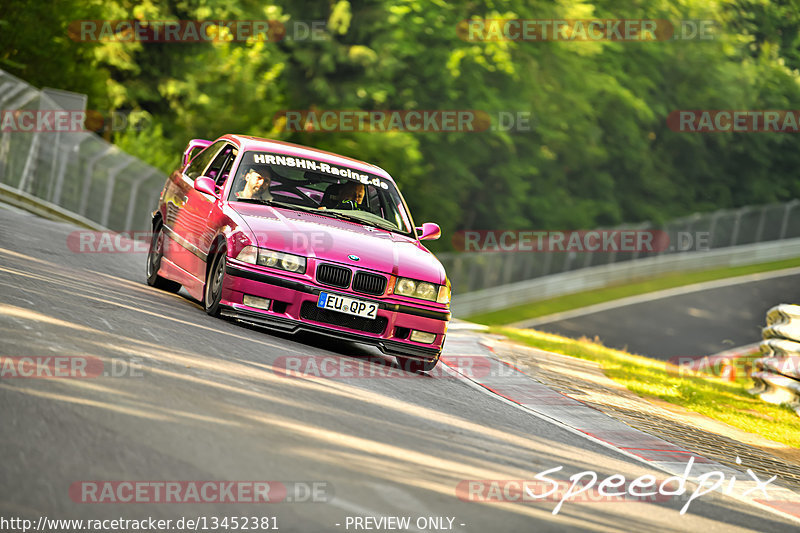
x=326, y=189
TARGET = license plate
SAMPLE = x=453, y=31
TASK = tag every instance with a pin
x=343, y=304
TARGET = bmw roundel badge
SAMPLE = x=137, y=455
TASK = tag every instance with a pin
x=353, y=257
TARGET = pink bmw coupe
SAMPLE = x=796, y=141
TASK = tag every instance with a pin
x=293, y=238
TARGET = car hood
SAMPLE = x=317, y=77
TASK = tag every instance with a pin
x=329, y=239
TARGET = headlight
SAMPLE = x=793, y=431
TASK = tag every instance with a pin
x=416, y=289
x=289, y=262
x=405, y=287
x=293, y=263
x=272, y=259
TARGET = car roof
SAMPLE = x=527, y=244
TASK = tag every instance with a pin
x=248, y=142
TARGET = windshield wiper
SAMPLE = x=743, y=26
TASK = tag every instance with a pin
x=353, y=218
x=256, y=201
x=274, y=203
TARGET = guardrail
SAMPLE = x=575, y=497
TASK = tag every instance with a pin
x=75, y=170
x=776, y=376
x=725, y=228
x=598, y=277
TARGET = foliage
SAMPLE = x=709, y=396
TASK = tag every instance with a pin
x=599, y=151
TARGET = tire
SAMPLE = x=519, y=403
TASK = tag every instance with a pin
x=154, y=255
x=212, y=292
x=415, y=365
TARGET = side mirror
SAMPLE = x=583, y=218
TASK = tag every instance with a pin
x=206, y=185
x=429, y=232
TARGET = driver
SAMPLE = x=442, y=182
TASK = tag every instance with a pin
x=351, y=196
x=256, y=185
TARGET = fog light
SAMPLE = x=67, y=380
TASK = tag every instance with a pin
x=255, y=301
x=422, y=336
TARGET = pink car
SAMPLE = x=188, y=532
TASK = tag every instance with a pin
x=280, y=235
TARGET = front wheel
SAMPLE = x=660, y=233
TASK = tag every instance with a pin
x=213, y=288
x=416, y=365
x=154, y=255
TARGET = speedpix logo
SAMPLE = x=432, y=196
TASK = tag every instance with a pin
x=615, y=487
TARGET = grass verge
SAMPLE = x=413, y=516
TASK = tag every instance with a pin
x=586, y=298
x=724, y=401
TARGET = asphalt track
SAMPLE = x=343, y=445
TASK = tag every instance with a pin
x=698, y=323
x=206, y=403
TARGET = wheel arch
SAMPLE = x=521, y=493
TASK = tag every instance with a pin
x=219, y=243
x=157, y=219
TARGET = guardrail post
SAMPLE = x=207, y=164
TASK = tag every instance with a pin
x=87, y=182
x=56, y=199
x=785, y=222
x=713, y=226
x=112, y=178
x=588, y=261
x=508, y=267
x=527, y=268
x=737, y=222
x=548, y=261
x=5, y=147
x=761, y=220
x=30, y=163
x=54, y=165
x=16, y=104
x=132, y=199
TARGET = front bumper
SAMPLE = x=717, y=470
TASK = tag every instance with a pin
x=294, y=309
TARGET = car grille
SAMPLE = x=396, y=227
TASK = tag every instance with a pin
x=310, y=311
x=333, y=275
x=369, y=283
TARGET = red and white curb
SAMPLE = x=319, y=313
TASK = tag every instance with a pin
x=509, y=383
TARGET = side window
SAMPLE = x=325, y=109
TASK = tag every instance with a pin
x=199, y=163
x=221, y=166
x=372, y=202
x=196, y=150
x=226, y=170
